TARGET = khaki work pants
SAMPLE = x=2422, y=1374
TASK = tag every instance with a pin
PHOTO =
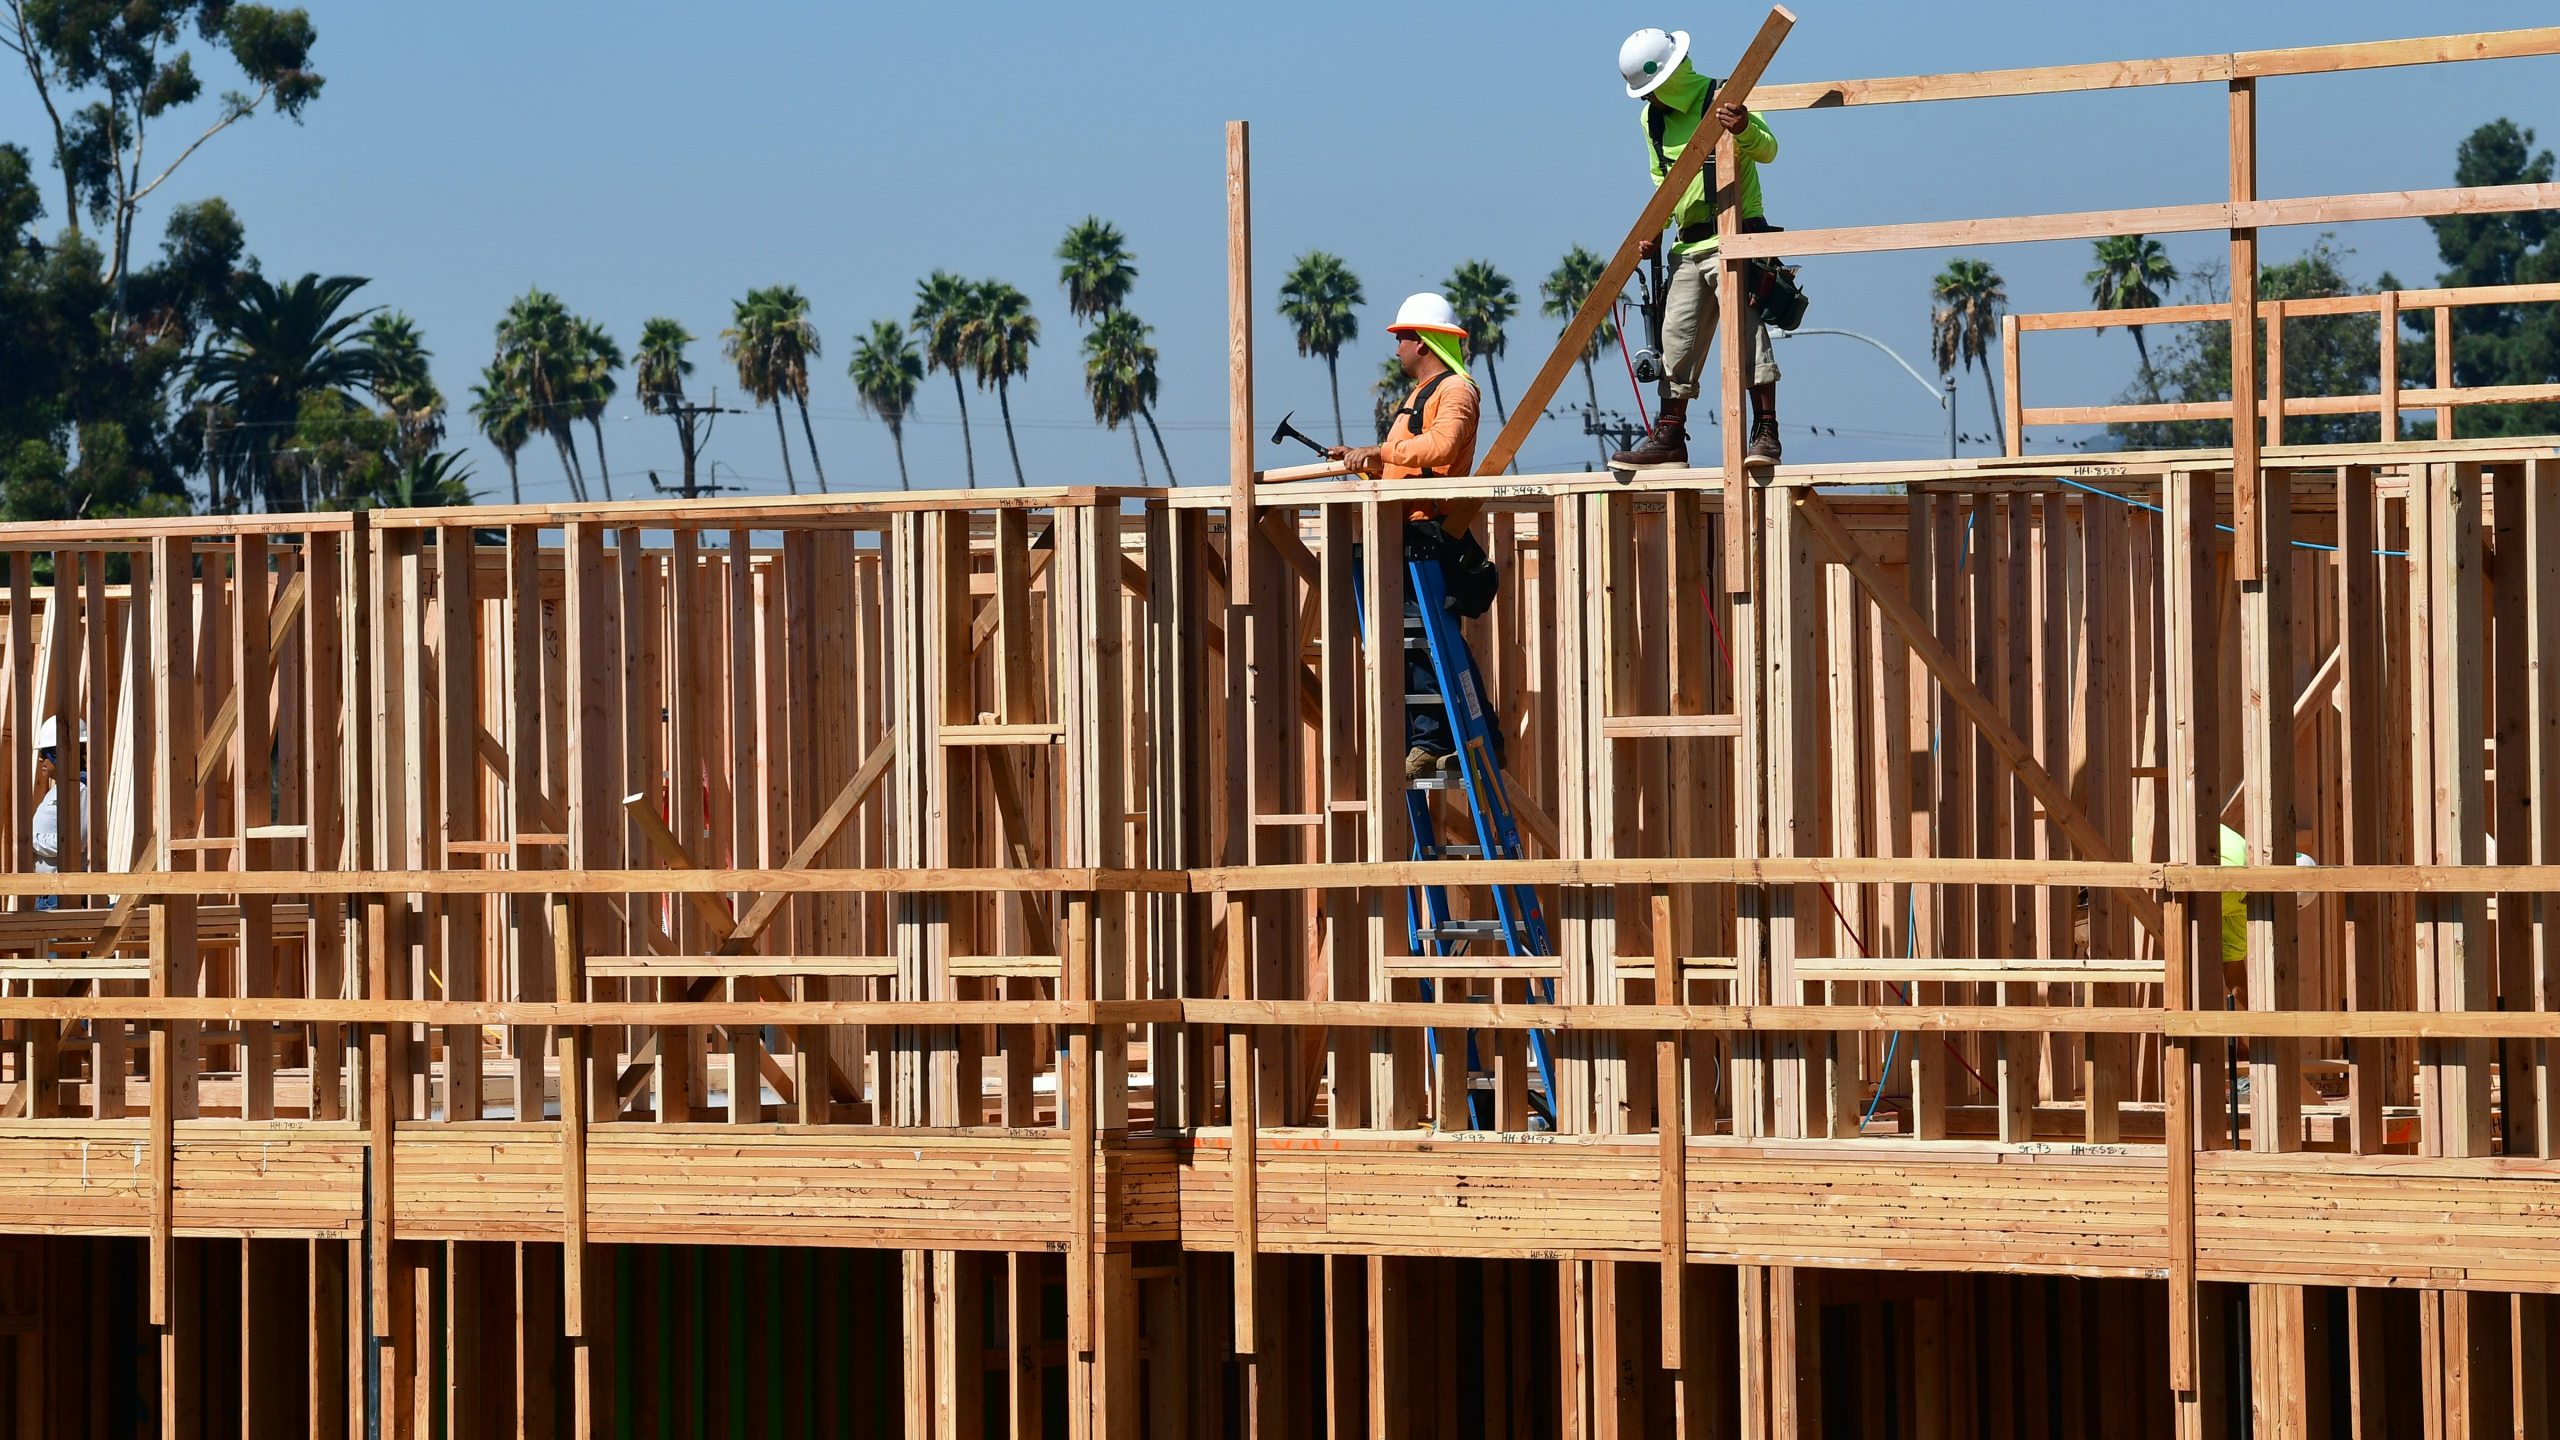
x=1689, y=318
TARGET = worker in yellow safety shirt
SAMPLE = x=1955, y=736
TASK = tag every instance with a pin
x=1432, y=434
x=1677, y=99
x=2235, y=909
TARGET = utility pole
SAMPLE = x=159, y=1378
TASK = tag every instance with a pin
x=1616, y=430
x=693, y=431
x=692, y=491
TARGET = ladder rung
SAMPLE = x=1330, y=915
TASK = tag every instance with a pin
x=1424, y=697
x=1461, y=930
x=1456, y=852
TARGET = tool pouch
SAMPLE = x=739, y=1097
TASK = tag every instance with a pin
x=1469, y=575
x=1776, y=294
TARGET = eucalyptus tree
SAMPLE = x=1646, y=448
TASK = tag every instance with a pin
x=130, y=62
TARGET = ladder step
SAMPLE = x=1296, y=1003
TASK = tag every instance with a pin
x=1424, y=697
x=1461, y=930
x=1456, y=852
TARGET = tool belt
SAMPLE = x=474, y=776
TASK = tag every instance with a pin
x=1706, y=229
x=1770, y=285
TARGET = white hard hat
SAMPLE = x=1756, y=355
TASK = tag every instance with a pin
x=1428, y=311
x=45, y=733
x=1649, y=57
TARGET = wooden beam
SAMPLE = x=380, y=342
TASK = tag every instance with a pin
x=2149, y=220
x=2176, y=70
x=821, y=834
x=1240, y=428
x=226, y=720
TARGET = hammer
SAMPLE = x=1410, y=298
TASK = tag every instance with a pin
x=1288, y=431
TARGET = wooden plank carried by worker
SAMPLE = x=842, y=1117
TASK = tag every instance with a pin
x=1596, y=307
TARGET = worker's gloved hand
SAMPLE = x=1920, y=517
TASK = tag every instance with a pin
x=1733, y=116
x=1358, y=459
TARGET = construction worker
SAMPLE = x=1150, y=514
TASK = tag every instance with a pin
x=1677, y=99
x=1432, y=434
x=60, y=780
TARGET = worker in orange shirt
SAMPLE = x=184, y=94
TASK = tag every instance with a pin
x=1432, y=434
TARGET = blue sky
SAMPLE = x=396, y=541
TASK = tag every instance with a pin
x=647, y=158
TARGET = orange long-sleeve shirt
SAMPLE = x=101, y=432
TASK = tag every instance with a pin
x=1446, y=444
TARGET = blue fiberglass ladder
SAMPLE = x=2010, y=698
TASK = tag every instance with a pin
x=1517, y=922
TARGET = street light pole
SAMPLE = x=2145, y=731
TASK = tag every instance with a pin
x=1946, y=398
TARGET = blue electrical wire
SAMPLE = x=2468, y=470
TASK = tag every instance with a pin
x=2225, y=529
x=1911, y=903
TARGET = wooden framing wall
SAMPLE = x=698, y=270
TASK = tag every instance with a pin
x=997, y=897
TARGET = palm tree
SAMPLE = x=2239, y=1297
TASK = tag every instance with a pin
x=748, y=343
x=499, y=407
x=1095, y=265
x=2132, y=272
x=1111, y=382
x=1965, y=304
x=941, y=315
x=997, y=339
x=1485, y=301
x=1386, y=394
x=538, y=350
x=401, y=383
x=273, y=346
x=1120, y=377
x=886, y=370
x=795, y=344
x=597, y=357
x=1320, y=298
x=1572, y=282
x=439, y=481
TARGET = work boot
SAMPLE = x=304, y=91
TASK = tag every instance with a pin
x=1667, y=443
x=1421, y=764
x=1764, y=440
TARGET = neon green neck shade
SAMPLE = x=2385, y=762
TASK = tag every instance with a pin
x=1450, y=348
